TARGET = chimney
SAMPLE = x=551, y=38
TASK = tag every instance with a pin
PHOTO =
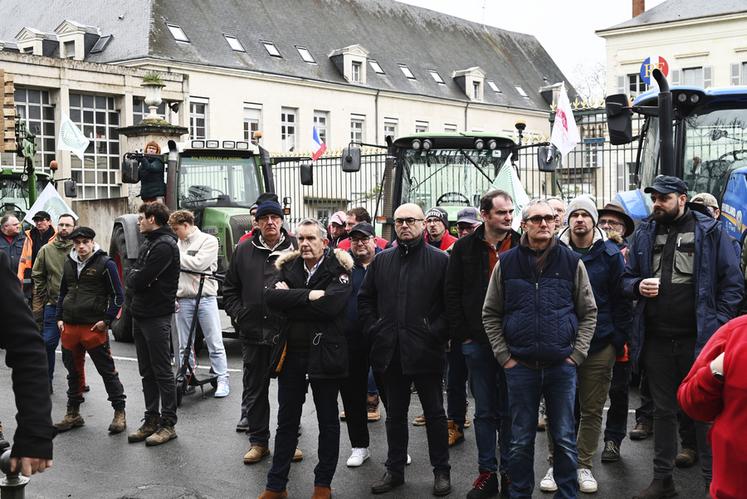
x=639, y=6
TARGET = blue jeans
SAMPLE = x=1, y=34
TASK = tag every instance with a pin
x=456, y=389
x=51, y=335
x=488, y=384
x=525, y=387
x=208, y=318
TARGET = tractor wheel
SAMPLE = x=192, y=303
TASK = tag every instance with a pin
x=121, y=326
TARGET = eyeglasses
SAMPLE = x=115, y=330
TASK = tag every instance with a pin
x=611, y=223
x=399, y=222
x=538, y=219
x=359, y=240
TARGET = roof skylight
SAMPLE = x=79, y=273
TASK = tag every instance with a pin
x=437, y=77
x=493, y=86
x=178, y=33
x=234, y=43
x=101, y=44
x=271, y=49
x=406, y=71
x=376, y=67
x=305, y=55
x=521, y=91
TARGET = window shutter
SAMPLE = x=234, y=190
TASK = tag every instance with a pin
x=707, y=70
x=621, y=85
x=735, y=74
x=676, y=76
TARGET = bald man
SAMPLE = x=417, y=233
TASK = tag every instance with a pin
x=401, y=304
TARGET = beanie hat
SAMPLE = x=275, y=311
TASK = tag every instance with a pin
x=438, y=213
x=269, y=208
x=584, y=203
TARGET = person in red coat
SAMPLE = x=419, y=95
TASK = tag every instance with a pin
x=715, y=390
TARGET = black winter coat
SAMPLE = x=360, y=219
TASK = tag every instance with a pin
x=26, y=356
x=321, y=322
x=253, y=270
x=154, y=279
x=401, y=302
x=150, y=172
x=467, y=281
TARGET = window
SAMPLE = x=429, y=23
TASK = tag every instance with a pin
x=321, y=122
x=101, y=44
x=390, y=127
x=356, y=70
x=476, y=90
x=178, y=33
x=69, y=49
x=271, y=49
x=493, y=86
x=635, y=84
x=198, y=117
x=288, y=124
x=744, y=74
x=450, y=127
x=692, y=76
x=306, y=55
x=234, y=43
x=437, y=77
x=140, y=110
x=98, y=119
x=406, y=71
x=33, y=107
x=421, y=126
x=357, y=127
x=376, y=67
x=521, y=91
x=252, y=120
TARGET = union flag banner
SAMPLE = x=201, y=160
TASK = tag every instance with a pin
x=565, y=134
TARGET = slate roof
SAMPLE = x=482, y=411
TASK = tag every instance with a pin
x=393, y=33
x=680, y=10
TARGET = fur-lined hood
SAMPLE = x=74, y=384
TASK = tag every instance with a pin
x=343, y=258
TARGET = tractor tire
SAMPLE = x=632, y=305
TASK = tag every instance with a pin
x=121, y=326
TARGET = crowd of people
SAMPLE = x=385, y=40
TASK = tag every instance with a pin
x=542, y=326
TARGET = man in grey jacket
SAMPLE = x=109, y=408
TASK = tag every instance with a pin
x=540, y=316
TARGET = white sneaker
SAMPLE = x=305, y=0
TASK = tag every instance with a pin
x=586, y=481
x=358, y=456
x=548, y=484
x=409, y=459
x=222, y=390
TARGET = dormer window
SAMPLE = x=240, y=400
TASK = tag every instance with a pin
x=272, y=49
x=521, y=91
x=350, y=61
x=494, y=87
x=305, y=55
x=356, y=70
x=406, y=71
x=476, y=90
x=178, y=33
x=75, y=40
x=437, y=77
x=471, y=82
x=376, y=67
x=68, y=49
x=234, y=43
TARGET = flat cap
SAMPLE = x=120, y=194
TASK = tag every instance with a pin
x=665, y=184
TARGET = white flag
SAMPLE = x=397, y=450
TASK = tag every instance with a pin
x=564, y=131
x=71, y=138
x=508, y=180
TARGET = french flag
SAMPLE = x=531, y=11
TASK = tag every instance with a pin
x=320, y=146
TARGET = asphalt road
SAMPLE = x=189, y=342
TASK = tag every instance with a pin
x=205, y=461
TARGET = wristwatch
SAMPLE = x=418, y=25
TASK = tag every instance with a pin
x=717, y=374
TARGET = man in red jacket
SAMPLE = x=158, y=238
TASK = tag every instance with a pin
x=714, y=390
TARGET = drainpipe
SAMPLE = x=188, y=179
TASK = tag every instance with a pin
x=376, y=116
x=466, y=108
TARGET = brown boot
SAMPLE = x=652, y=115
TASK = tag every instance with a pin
x=322, y=492
x=455, y=436
x=256, y=453
x=686, y=458
x=162, y=435
x=119, y=423
x=269, y=494
x=148, y=428
x=297, y=456
x=71, y=420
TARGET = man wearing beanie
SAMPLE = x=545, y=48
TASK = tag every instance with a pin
x=252, y=270
x=605, y=265
x=437, y=229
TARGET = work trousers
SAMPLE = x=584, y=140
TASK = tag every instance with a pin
x=354, y=393
x=152, y=337
x=77, y=339
x=255, y=401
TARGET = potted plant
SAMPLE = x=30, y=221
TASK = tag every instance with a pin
x=152, y=83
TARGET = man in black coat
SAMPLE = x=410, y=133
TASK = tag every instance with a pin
x=152, y=286
x=401, y=301
x=253, y=270
x=25, y=355
x=311, y=293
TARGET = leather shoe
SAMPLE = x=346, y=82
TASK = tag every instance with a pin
x=441, y=483
x=658, y=489
x=242, y=425
x=386, y=483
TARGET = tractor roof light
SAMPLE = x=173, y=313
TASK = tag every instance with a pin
x=694, y=98
x=229, y=144
x=242, y=145
x=479, y=144
x=416, y=144
x=198, y=144
x=427, y=144
x=213, y=144
x=492, y=144
x=682, y=97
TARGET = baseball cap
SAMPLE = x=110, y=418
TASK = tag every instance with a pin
x=468, y=215
x=665, y=184
x=363, y=228
x=339, y=218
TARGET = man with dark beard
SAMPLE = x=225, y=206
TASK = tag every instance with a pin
x=684, y=273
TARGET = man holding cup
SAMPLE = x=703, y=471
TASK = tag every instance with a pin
x=684, y=273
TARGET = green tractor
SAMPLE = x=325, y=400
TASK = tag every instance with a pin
x=218, y=182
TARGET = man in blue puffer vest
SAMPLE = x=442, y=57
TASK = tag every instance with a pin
x=540, y=316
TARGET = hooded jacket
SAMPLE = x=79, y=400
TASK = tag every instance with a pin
x=253, y=270
x=154, y=279
x=315, y=326
x=605, y=266
x=47, y=272
x=718, y=281
x=401, y=304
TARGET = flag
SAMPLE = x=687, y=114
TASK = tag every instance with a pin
x=564, y=131
x=71, y=138
x=319, y=146
x=508, y=180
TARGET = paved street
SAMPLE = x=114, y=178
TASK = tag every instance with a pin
x=206, y=460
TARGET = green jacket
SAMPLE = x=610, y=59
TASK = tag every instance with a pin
x=47, y=273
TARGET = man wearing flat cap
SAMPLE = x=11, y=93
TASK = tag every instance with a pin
x=36, y=237
x=684, y=273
